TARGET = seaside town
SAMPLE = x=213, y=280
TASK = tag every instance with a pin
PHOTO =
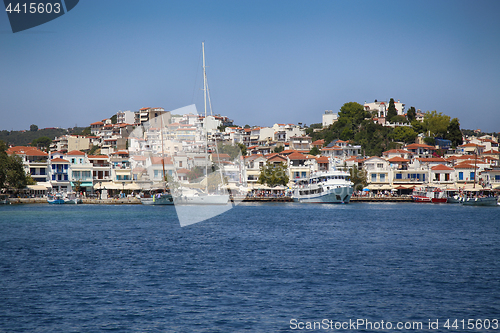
x=134, y=152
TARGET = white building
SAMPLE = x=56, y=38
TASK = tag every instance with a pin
x=382, y=107
x=329, y=118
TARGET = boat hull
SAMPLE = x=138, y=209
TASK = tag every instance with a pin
x=216, y=199
x=340, y=195
x=486, y=201
x=162, y=200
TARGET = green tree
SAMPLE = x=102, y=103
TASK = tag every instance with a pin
x=114, y=119
x=33, y=128
x=232, y=151
x=411, y=114
x=354, y=112
x=399, y=119
x=436, y=123
x=391, y=110
x=43, y=141
x=453, y=133
x=243, y=149
x=273, y=174
x=12, y=173
x=404, y=134
x=359, y=178
x=417, y=126
x=315, y=151
x=278, y=149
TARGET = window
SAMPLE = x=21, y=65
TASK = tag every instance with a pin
x=446, y=176
x=497, y=178
x=472, y=175
x=382, y=177
x=180, y=164
x=73, y=161
x=374, y=177
x=399, y=176
x=460, y=175
x=380, y=165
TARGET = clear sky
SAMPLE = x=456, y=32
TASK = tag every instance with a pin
x=268, y=61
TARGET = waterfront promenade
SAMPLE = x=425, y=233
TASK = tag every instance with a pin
x=135, y=201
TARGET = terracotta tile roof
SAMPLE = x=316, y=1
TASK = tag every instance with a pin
x=397, y=159
x=471, y=145
x=464, y=165
x=417, y=145
x=76, y=152
x=157, y=160
x=183, y=171
x=441, y=167
x=97, y=123
x=396, y=151
x=432, y=159
x=297, y=156
x=322, y=159
x=59, y=160
x=97, y=156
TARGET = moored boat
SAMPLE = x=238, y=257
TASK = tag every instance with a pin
x=55, y=199
x=162, y=198
x=429, y=194
x=479, y=201
x=324, y=187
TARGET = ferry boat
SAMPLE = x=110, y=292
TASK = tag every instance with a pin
x=324, y=187
x=429, y=194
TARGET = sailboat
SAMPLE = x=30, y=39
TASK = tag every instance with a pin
x=164, y=197
x=194, y=196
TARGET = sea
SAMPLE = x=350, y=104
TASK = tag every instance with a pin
x=273, y=267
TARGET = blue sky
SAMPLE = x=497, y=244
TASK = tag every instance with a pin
x=268, y=61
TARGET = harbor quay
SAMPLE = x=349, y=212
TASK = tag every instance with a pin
x=135, y=201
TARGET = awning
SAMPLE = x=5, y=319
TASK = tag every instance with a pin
x=108, y=186
x=83, y=184
x=132, y=186
x=37, y=187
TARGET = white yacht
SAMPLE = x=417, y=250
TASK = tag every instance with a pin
x=324, y=187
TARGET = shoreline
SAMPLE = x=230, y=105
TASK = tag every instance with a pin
x=135, y=201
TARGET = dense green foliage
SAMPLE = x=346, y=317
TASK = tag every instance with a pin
x=404, y=134
x=391, y=111
x=453, y=133
x=41, y=142
x=312, y=127
x=232, y=151
x=359, y=178
x=33, y=128
x=436, y=123
x=25, y=138
x=355, y=124
x=411, y=114
x=12, y=173
x=315, y=151
x=273, y=174
x=278, y=149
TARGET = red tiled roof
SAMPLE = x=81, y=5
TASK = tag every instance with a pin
x=397, y=159
x=76, y=152
x=59, y=160
x=157, y=160
x=441, y=167
x=464, y=165
x=432, y=159
x=297, y=156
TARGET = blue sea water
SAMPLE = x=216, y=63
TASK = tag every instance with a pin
x=256, y=268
